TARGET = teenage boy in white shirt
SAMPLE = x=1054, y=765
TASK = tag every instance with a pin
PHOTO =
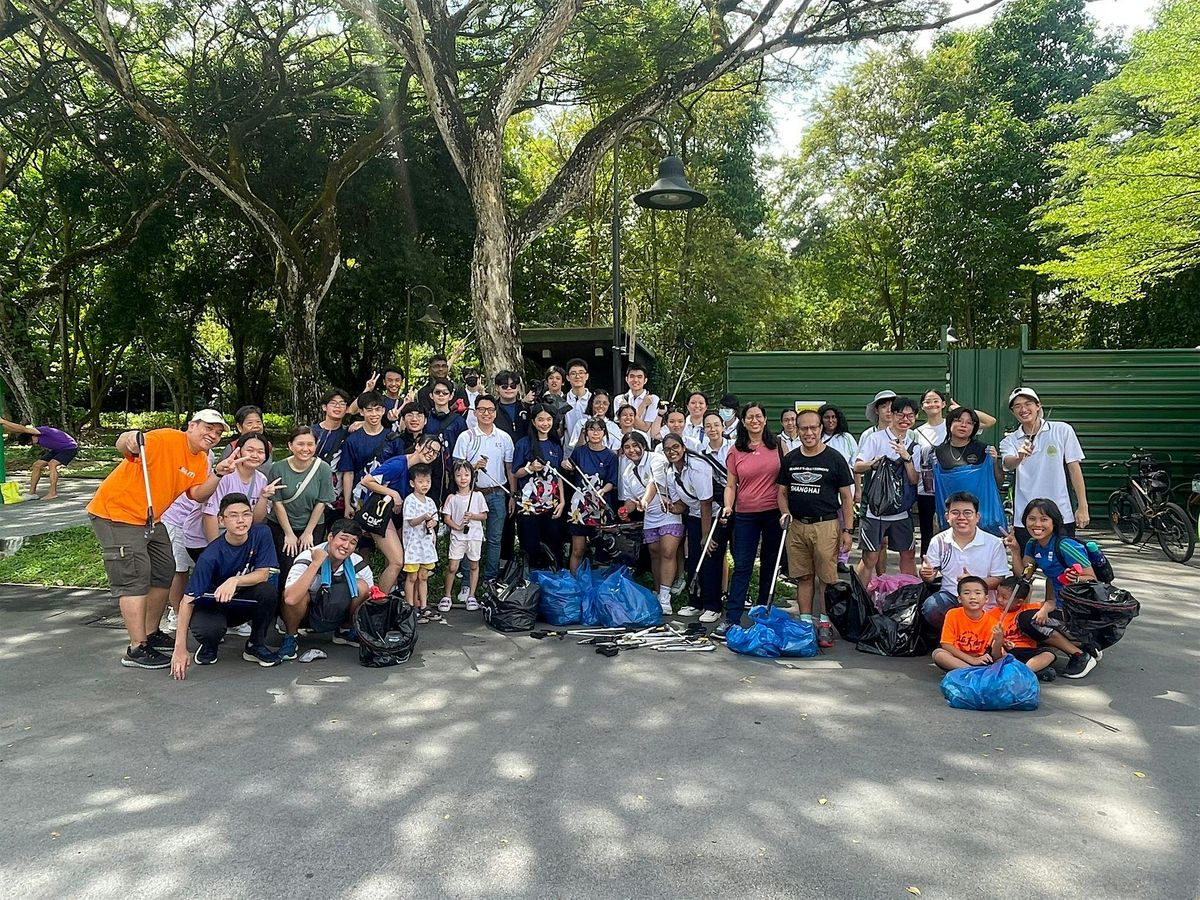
x=1043, y=454
x=894, y=444
x=639, y=398
x=962, y=549
x=578, y=396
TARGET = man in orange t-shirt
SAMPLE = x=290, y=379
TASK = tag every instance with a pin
x=138, y=558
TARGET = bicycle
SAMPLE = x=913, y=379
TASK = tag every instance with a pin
x=1143, y=505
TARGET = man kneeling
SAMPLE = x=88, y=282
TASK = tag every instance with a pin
x=229, y=586
x=326, y=583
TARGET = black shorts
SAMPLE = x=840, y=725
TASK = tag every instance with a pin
x=584, y=531
x=1025, y=654
x=62, y=457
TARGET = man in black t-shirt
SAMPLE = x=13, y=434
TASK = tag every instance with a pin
x=814, y=482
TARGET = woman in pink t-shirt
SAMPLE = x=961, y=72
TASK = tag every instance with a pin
x=751, y=498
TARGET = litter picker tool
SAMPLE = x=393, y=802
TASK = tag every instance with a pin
x=141, y=442
x=687, y=345
x=693, y=584
x=787, y=521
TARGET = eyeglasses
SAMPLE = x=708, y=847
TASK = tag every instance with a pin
x=507, y=384
x=959, y=513
x=485, y=410
x=906, y=415
x=336, y=403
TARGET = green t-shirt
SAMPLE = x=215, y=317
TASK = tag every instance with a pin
x=318, y=490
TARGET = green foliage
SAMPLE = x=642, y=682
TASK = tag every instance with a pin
x=65, y=558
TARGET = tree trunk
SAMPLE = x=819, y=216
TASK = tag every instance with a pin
x=491, y=281
x=300, y=342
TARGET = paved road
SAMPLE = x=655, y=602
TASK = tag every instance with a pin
x=41, y=516
x=493, y=766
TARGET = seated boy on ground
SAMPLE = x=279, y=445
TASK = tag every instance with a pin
x=229, y=586
x=967, y=632
x=1016, y=641
x=326, y=583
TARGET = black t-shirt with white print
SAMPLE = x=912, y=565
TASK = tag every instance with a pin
x=813, y=482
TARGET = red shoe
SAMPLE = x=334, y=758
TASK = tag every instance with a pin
x=825, y=635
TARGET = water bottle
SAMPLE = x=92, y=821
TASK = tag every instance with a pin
x=1100, y=564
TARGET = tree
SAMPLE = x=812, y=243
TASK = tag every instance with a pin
x=478, y=65
x=1127, y=209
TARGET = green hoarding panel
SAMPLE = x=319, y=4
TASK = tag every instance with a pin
x=847, y=379
x=1119, y=400
x=983, y=379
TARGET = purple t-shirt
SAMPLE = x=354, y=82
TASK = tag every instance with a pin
x=53, y=439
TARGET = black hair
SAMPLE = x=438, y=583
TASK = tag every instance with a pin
x=300, y=431
x=842, y=427
x=637, y=437
x=671, y=438
x=536, y=410
x=1009, y=582
x=559, y=369
x=1047, y=508
x=576, y=361
x=345, y=526
x=742, y=441
x=424, y=440
x=335, y=392
x=700, y=394
x=418, y=470
x=399, y=371
x=636, y=367
x=972, y=579
x=444, y=382
x=806, y=412
x=783, y=412
x=899, y=403
x=676, y=409
x=370, y=398
x=411, y=407
x=230, y=499
x=590, y=410
x=958, y=412
x=245, y=412
x=506, y=375
x=730, y=400
x=963, y=497
x=438, y=357
x=254, y=436
x=713, y=412
x=495, y=403
x=945, y=397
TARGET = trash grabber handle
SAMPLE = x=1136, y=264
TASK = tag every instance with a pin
x=141, y=442
x=778, y=560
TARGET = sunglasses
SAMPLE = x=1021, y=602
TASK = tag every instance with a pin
x=441, y=393
x=507, y=384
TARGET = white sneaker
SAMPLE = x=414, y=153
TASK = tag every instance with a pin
x=688, y=612
x=678, y=586
x=710, y=615
x=472, y=604
x=665, y=606
x=241, y=630
x=172, y=620
x=444, y=605
x=465, y=592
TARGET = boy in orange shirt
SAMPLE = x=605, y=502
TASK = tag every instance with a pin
x=973, y=637
x=1015, y=641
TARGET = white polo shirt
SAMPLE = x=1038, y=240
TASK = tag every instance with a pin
x=578, y=409
x=984, y=556
x=879, y=443
x=1044, y=472
x=693, y=485
x=627, y=398
x=693, y=431
x=497, y=447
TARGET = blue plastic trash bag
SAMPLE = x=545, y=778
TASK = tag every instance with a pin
x=561, y=601
x=978, y=479
x=757, y=640
x=621, y=601
x=793, y=637
x=589, y=581
x=1006, y=684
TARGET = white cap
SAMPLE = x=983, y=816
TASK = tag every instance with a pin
x=1024, y=392
x=871, y=413
x=210, y=417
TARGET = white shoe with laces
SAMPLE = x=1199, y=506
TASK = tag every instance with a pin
x=709, y=616
x=688, y=612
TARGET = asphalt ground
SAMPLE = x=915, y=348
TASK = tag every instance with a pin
x=502, y=766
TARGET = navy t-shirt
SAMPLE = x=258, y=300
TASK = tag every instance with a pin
x=595, y=462
x=220, y=560
x=394, y=474
x=1055, y=559
x=551, y=453
x=360, y=449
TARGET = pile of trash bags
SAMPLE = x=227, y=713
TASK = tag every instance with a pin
x=773, y=634
x=608, y=598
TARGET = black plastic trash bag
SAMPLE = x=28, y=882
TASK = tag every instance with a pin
x=1097, y=613
x=387, y=631
x=618, y=547
x=899, y=630
x=510, y=603
x=848, y=607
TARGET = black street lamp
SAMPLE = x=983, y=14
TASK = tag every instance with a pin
x=670, y=191
x=430, y=316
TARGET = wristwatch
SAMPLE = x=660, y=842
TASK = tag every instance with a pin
x=847, y=531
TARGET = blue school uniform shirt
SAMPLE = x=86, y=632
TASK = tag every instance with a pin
x=1054, y=559
x=221, y=560
x=551, y=454
x=596, y=462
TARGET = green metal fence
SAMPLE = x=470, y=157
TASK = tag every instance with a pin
x=1117, y=400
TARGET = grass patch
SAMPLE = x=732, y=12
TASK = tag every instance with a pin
x=64, y=557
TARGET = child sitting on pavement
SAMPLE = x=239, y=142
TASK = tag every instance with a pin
x=1016, y=642
x=972, y=636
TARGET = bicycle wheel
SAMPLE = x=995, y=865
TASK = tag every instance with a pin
x=1173, y=529
x=1124, y=518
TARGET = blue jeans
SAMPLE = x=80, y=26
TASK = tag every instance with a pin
x=497, y=504
x=936, y=606
x=748, y=530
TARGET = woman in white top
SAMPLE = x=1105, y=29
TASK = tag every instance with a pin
x=597, y=407
x=688, y=478
x=662, y=525
x=835, y=432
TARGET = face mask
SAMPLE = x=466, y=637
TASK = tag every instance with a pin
x=726, y=415
x=472, y=380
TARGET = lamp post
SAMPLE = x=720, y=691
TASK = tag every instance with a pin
x=408, y=321
x=670, y=191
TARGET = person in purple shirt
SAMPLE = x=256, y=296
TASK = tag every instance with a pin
x=58, y=446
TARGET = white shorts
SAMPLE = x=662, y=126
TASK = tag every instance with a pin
x=183, y=562
x=460, y=546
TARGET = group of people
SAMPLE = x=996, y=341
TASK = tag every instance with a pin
x=478, y=475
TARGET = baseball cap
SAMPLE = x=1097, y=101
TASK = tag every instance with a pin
x=871, y=412
x=1024, y=392
x=210, y=417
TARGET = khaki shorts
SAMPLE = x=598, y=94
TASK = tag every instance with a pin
x=813, y=549
x=471, y=548
x=134, y=563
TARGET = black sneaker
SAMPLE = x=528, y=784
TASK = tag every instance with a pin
x=161, y=641
x=144, y=657
x=261, y=654
x=720, y=631
x=1047, y=674
x=206, y=654
x=1079, y=665
x=843, y=568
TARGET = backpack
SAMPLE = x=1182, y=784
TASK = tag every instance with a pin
x=890, y=492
